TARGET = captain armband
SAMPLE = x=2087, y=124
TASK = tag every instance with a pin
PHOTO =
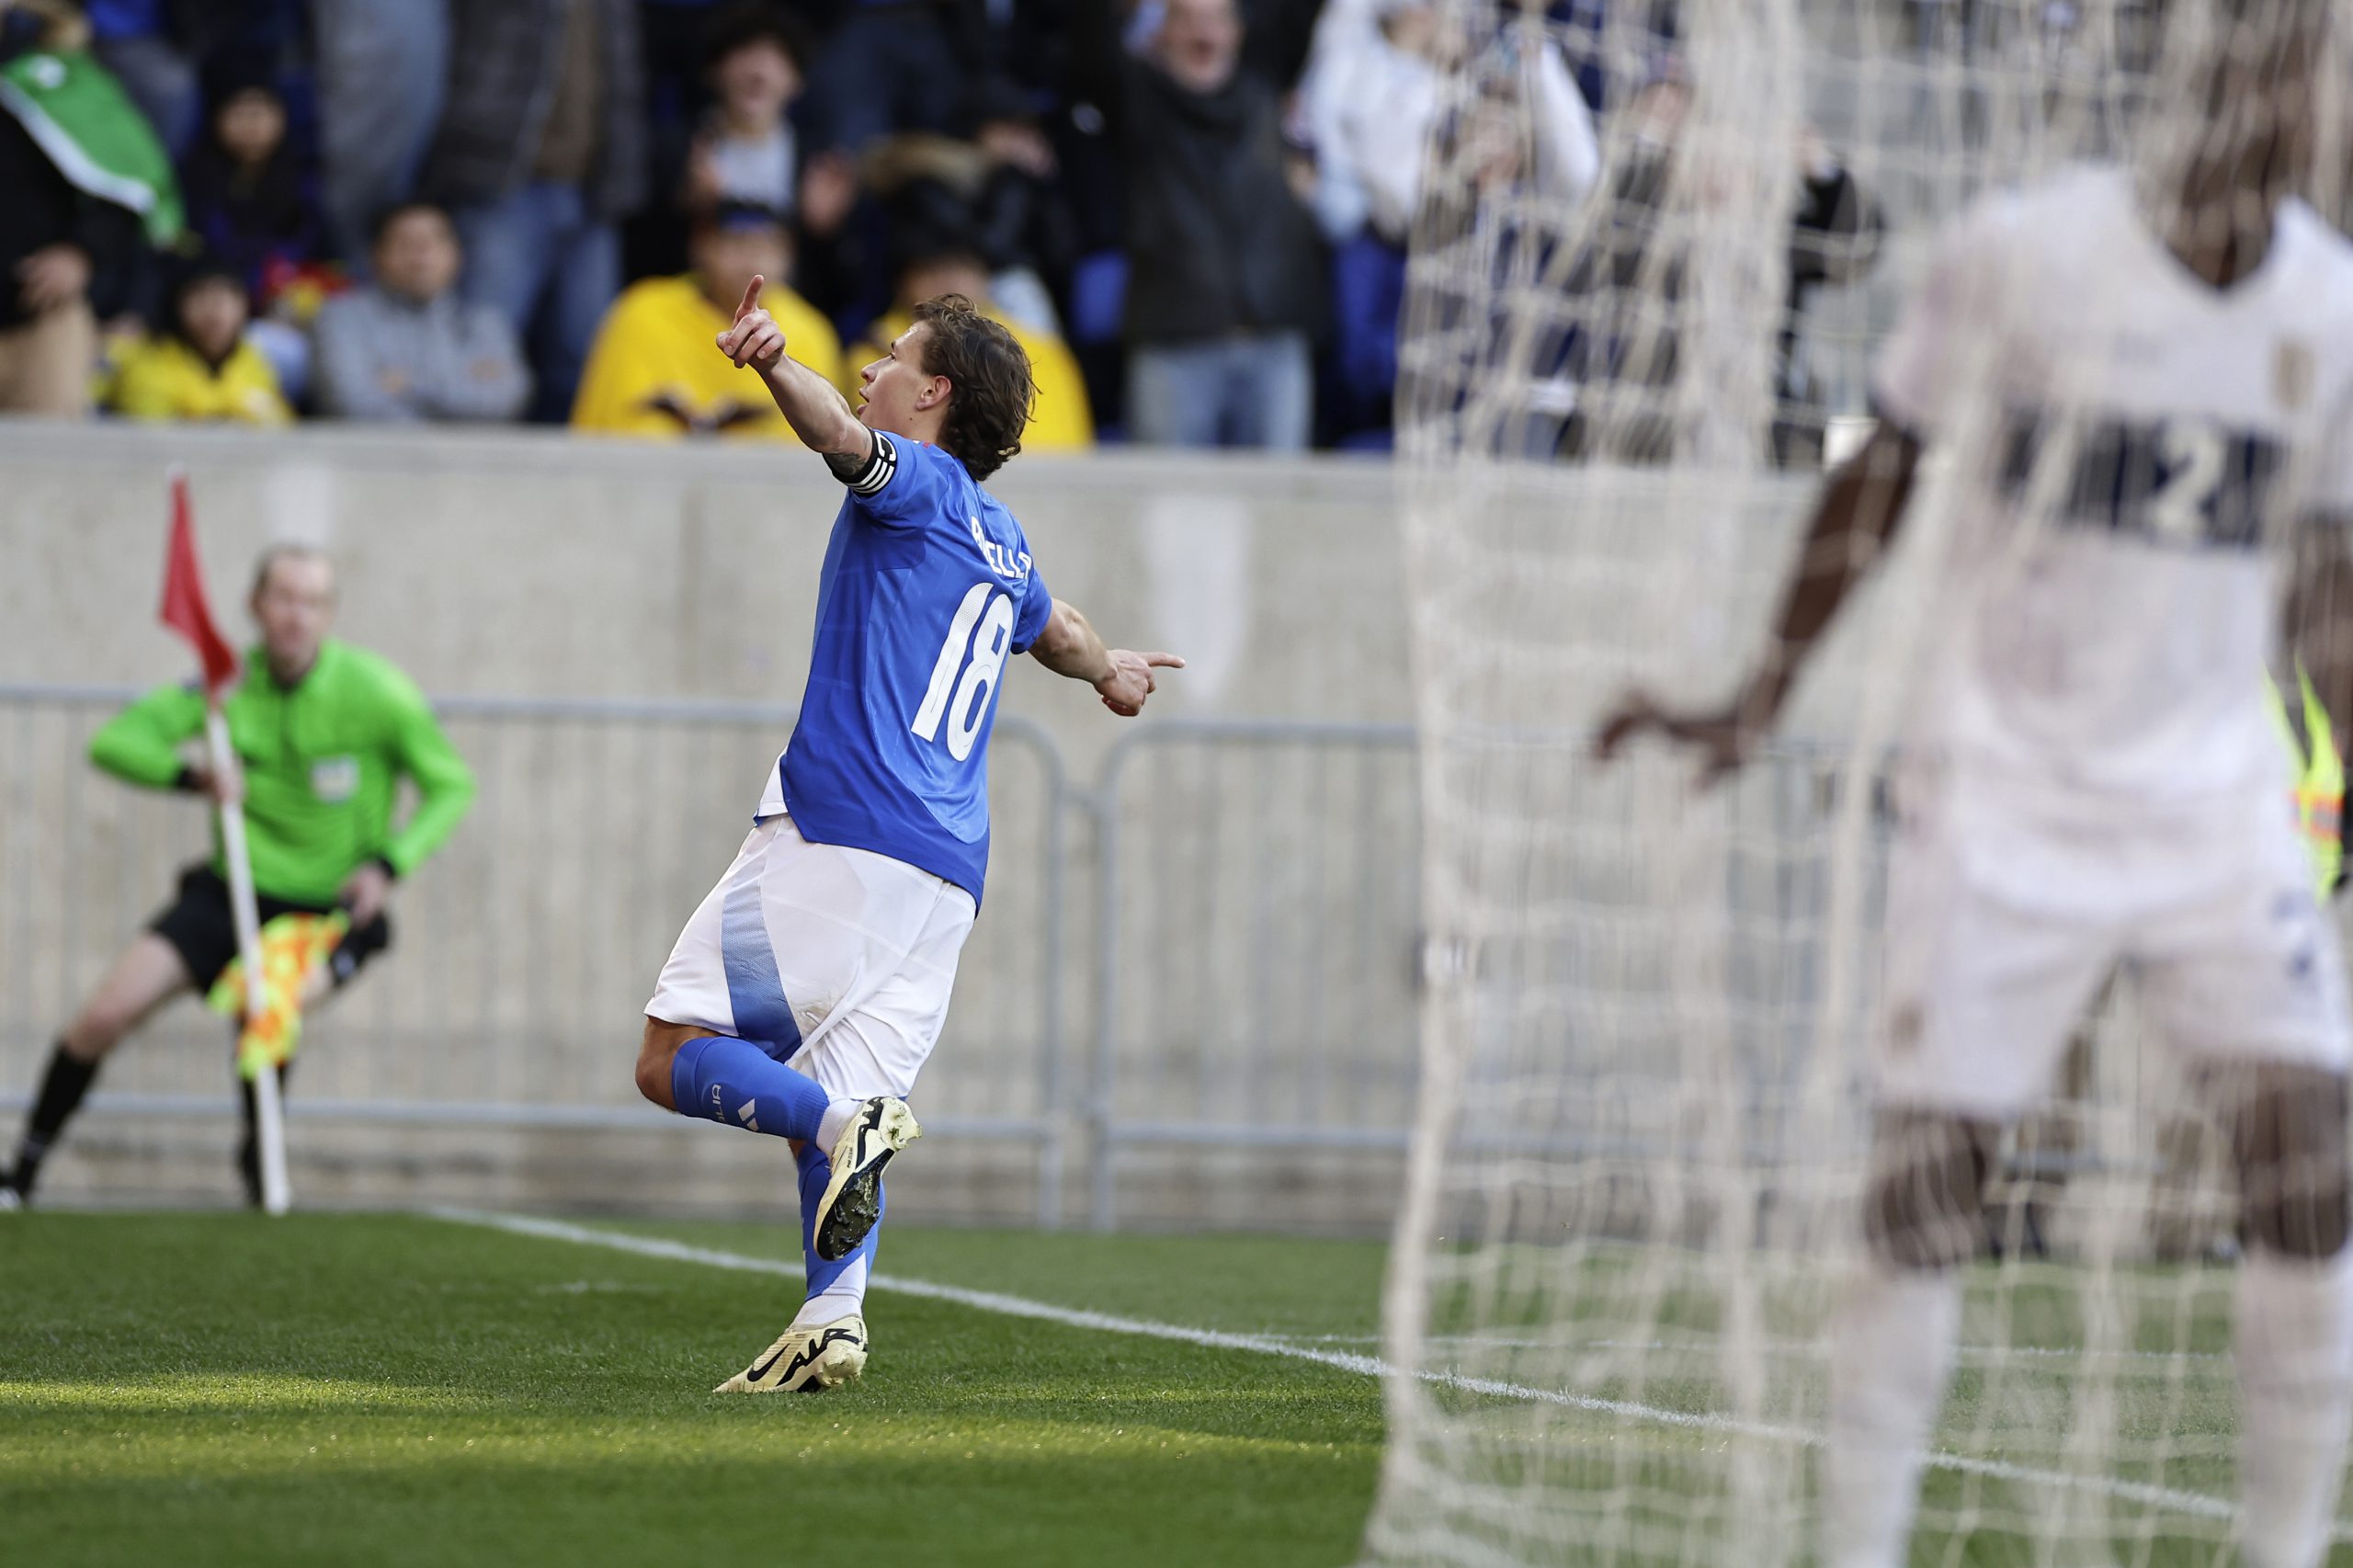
x=866, y=476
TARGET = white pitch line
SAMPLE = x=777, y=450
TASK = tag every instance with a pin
x=2195, y=1504
x=1775, y=1347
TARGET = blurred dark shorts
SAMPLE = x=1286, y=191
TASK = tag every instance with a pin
x=198, y=925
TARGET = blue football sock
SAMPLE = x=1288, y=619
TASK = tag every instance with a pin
x=836, y=1288
x=736, y=1084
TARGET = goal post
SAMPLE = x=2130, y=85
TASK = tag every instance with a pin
x=1637, y=1170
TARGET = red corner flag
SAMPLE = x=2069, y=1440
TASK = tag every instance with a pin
x=185, y=610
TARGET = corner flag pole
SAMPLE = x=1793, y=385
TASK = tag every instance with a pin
x=269, y=1117
x=187, y=612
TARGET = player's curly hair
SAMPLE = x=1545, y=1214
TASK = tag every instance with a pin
x=990, y=405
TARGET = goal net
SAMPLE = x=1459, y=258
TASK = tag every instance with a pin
x=1637, y=1175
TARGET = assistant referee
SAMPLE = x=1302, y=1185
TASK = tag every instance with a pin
x=323, y=733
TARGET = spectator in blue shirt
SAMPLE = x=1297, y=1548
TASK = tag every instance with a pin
x=382, y=67
x=134, y=39
x=891, y=66
x=542, y=153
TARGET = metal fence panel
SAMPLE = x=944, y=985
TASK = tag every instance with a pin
x=1251, y=975
x=1257, y=985
x=523, y=954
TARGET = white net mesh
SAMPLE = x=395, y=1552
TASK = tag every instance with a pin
x=1638, y=1175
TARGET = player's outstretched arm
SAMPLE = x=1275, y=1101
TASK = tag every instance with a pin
x=1070, y=646
x=810, y=404
x=1852, y=524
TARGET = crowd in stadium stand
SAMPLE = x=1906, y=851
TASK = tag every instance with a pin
x=1192, y=212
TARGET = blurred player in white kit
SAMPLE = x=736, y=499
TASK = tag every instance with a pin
x=2144, y=383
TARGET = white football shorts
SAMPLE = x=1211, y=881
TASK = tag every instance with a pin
x=839, y=961
x=2006, y=916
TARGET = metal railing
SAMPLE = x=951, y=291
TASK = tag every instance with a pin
x=1289, y=1020
x=1282, y=854
x=1251, y=967
x=524, y=953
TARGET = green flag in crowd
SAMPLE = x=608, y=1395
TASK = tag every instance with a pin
x=79, y=115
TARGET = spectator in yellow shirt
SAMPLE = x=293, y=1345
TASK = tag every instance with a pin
x=201, y=367
x=653, y=372
x=1059, y=421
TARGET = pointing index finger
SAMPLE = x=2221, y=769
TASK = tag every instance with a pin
x=1164, y=660
x=751, y=297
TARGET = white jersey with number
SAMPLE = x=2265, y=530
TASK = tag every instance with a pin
x=2127, y=439
x=2091, y=777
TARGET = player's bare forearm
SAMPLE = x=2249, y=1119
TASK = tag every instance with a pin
x=810, y=404
x=1071, y=646
x=2320, y=616
x=1853, y=523
x=817, y=411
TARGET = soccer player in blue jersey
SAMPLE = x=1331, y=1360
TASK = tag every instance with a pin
x=805, y=993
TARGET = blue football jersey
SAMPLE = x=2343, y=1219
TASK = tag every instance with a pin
x=929, y=590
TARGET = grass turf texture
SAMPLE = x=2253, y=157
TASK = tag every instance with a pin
x=381, y=1388
x=221, y=1389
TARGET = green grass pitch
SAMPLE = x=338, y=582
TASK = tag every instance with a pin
x=220, y=1389
x=200, y=1389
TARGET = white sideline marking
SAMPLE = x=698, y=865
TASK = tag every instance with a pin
x=2196, y=1503
x=1777, y=1348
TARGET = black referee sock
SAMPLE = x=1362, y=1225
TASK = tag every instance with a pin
x=253, y=1099
x=62, y=1089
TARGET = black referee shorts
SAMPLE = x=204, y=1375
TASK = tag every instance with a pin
x=199, y=926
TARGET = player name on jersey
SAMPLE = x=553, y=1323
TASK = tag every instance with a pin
x=1011, y=564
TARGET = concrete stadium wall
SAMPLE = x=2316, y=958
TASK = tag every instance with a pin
x=534, y=565
x=1252, y=961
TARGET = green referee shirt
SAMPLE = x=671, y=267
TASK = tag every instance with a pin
x=323, y=762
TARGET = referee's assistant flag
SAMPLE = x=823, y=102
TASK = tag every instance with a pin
x=185, y=609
